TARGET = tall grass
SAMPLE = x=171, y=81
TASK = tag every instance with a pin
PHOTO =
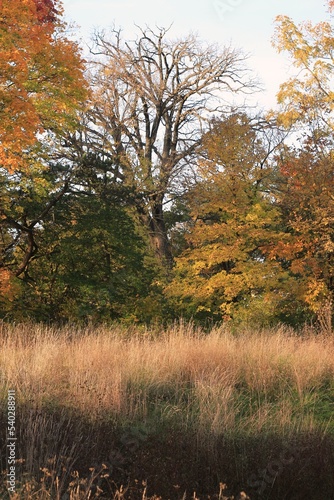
x=214, y=382
x=207, y=384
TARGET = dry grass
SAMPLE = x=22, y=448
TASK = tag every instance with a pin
x=217, y=382
x=74, y=385
x=87, y=489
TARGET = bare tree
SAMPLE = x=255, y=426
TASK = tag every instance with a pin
x=152, y=101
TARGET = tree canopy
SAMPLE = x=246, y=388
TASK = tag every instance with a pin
x=133, y=188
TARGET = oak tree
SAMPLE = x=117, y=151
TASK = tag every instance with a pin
x=152, y=101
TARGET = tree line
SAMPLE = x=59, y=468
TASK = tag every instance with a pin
x=134, y=187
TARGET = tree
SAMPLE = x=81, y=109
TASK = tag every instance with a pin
x=41, y=89
x=41, y=77
x=306, y=194
x=307, y=98
x=151, y=104
x=92, y=261
x=224, y=273
x=91, y=265
x=306, y=201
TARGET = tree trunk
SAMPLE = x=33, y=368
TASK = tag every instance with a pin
x=159, y=238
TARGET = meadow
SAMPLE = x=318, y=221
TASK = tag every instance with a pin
x=134, y=412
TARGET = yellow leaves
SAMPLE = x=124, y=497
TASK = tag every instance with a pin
x=198, y=267
x=329, y=245
x=316, y=294
x=224, y=264
x=287, y=35
x=257, y=215
x=203, y=309
x=232, y=284
x=307, y=96
x=280, y=40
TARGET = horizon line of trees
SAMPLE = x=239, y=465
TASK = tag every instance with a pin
x=133, y=187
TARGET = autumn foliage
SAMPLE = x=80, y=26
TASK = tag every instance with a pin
x=307, y=203
x=41, y=89
x=40, y=77
x=46, y=11
x=141, y=196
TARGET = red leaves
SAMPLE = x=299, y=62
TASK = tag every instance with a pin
x=46, y=11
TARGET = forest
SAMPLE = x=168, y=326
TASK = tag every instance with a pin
x=136, y=186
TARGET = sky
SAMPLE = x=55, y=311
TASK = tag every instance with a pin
x=244, y=24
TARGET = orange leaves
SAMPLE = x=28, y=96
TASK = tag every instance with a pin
x=19, y=120
x=41, y=77
x=8, y=287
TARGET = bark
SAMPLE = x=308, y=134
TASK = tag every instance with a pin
x=159, y=237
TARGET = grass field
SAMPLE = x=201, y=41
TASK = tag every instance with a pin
x=133, y=412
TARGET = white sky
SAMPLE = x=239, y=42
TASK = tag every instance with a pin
x=245, y=24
